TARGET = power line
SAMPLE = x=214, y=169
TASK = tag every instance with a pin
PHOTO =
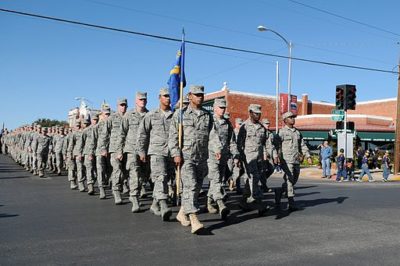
x=345, y=18
x=193, y=42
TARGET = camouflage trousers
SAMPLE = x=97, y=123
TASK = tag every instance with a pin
x=134, y=173
x=71, y=169
x=34, y=161
x=254, y=169
x=116, y=174
x=41, y=161
x=291, y=176
x=90, y=167
x=162, y=169
x=103, y=170
x=268, y=170
x=80, y=168
x=192, y=176
x=59, y=161
x=216, y=173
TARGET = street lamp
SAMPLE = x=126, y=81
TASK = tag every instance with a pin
x=289, y=44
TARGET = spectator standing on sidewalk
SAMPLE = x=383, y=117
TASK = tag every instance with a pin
x=386, y=166
x=326, y=153
x=341, y=167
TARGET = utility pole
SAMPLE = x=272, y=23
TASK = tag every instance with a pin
x=397, y=138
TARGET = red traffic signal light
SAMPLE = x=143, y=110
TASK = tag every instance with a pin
x=350, y=97
x=339, y=98
x=346, y=97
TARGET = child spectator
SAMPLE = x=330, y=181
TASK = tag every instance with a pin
x=341, y=167
x=350, y=169
x=365, y=169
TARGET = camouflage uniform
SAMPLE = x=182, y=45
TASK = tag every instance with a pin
x=251, y=145
x=196, y=135
x=42, y=151
x=110, y=141
x=89, y=136
x=134, y=168
x=153, y=141
x=292, y=151
x=58, y=143
x=102, y=163
x=34, y=145
x=217, y=168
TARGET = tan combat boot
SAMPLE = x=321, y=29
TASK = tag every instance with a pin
x=210, y=207
x=81, y=186
x=196, y=225
x=73, y=185
x=102, y=193
x=90, y=189
x=223, y=210
x=182, y=218
x=117, y=197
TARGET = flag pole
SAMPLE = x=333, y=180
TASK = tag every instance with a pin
x=180, y=127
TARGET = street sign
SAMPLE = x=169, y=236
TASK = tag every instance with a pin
x=337, y=112
x=337, y=115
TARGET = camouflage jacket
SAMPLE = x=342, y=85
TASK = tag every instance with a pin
x=197, y=133
x=292, y=148
x=153, y=133
x=130, y=128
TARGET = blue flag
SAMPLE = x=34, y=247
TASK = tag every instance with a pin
x=177, y=74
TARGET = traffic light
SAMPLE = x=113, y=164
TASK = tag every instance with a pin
x=340, y=125
x=350, y=95
x=339, y=97
x=346, y=97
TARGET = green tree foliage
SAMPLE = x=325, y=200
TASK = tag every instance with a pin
x=45, y=122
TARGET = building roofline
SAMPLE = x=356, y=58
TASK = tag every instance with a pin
x=299, y=99
x=348, y=116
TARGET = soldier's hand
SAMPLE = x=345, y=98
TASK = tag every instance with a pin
x=276, y=160
x=90, y=157
x=309, y=160
x=218, y=156
x=142, y=158
x=104, y=153
x=119, y=157
x=236, y=162
x=178, y=161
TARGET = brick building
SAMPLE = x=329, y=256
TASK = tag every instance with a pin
x=374, y=120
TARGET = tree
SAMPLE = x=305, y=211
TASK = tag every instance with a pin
x=45, y=122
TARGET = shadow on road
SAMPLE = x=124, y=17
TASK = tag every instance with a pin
x=303, y=204
x=6, y=215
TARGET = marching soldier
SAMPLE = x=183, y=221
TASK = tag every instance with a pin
x=42, y=150
x=251, y=145
x=74, y=155
x=111, y=146
x=197, y=124
x=153, y=142
x=129, y=134
x=292, y=152
x=89, y=136
x=217, y=167
x=271, y=158
x=58, y=143
x=102, y=163
x=34, y=144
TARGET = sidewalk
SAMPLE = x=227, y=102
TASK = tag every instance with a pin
x=316, y=173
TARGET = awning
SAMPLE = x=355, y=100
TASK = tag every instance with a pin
x=376, y=136
x=314, y=135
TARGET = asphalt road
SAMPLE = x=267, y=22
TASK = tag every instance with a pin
x=43, y=222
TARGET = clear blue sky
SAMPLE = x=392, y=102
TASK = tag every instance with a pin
x=44, y=64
